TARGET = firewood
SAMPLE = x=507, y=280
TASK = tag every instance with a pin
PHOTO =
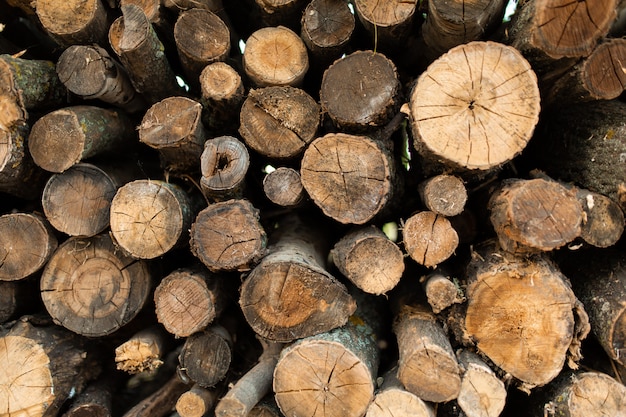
x=224, y=164
x=427, y=366
x=150, y=217
x=206, y=356
x=196, y=402
x=369, y=259
x=351, y=178
x=181, y=5
x=154, y=10
x=27, y=241
x=174, y=127
x=279, y=122
x=77, y=202
x=389, y=23
x=603, y=221
x=326, y=29
x=64, y=137
x=227, y=236
x=523, y=315
x=91, y=73
x=290, y=295
x=95, y=401
x=136, y=43
x=91, y=288
x=275, y=56
x=42, y=367
x=360, y=91
x=267, y=407
x=452, y=23
x=222, y=94
x=283, y=187
x=578, y=394
x=74, y=22
x=441, y=291
x=393, y=400
x=474, y=108
x=252, y=386
x=482, y=393
x=443, y=194
x=280, y=12
x=599, y=280
x=160, y=403
x=328, y=374
x=189, y=299
x=429, y=238
x=534, y=215
x=144, y=351
x=201, y=39
x=597, y=77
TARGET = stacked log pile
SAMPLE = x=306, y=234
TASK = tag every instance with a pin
x=312, y=208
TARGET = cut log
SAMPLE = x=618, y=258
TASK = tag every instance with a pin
x=523, y=315
x=227, y=236
x=144, y=351
x=173, y=126
x=474, y=108
x=360, y=91
x=136, y=43
x=201, y=39
x=279, y=122
x=326, y=29
x=603, y=220
x=91, y=73
x=369, y=259
x=42, y=368
x=441, y=291
x=583, y=394
x=482, y=393
x=290, y=295
x=74, y=22
x=78, y=201
x=388, y=23
x=196, y=402
x=534, y=215
x=267, y=407
x=351, y=178
x=452, y=23
x=92, y=289
x=427, y=366
x=27, y=241
x=329, y=374
x=150, y=217
x=160, y=403
x=429, y=238
x=222, y=93
x=64, y=137
x=275, y=56
x=393, y=400
x=189, y=299
x=95, y=401
x=283, y=187
x=206, y=356
x=255, y=384
x=597, y=77
x=443, y=194
x=224, y=164
x=280, y=12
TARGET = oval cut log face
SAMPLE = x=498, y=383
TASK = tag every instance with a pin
x=476, y=106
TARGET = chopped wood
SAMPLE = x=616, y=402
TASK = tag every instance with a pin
x=206, y=356
x=429, y=238
x=221, y=95
x=283, y=187
x=441, y=291
x=603, y=222
x=224, y=164
x=327, y=27
x=196, y=402
x=388, y=23
x=443, y=194
x=75, y=21
x=482, y=393
x=393, y=400
x=144, y=351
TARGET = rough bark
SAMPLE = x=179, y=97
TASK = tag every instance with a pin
x=283, y=187
x=27, y=241
x=150, y=217
x=174, y=127
x=369, y=259
x=361, y=91
x=196, y=402
x=275, y=56
x=443, y=194
x=429, y=238
x=74, y=22
x=227, y=236
x=279, y=122
x=427, y=366
x=222, y=93
x=474, y=108
x=144, y=351
x=91, y=288
x=91, y=73
x=523, y=315
x=62, y=138
x=224, y=164
x=206, y=356
x=290, y=295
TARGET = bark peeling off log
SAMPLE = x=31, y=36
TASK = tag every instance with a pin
x=475, y=107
